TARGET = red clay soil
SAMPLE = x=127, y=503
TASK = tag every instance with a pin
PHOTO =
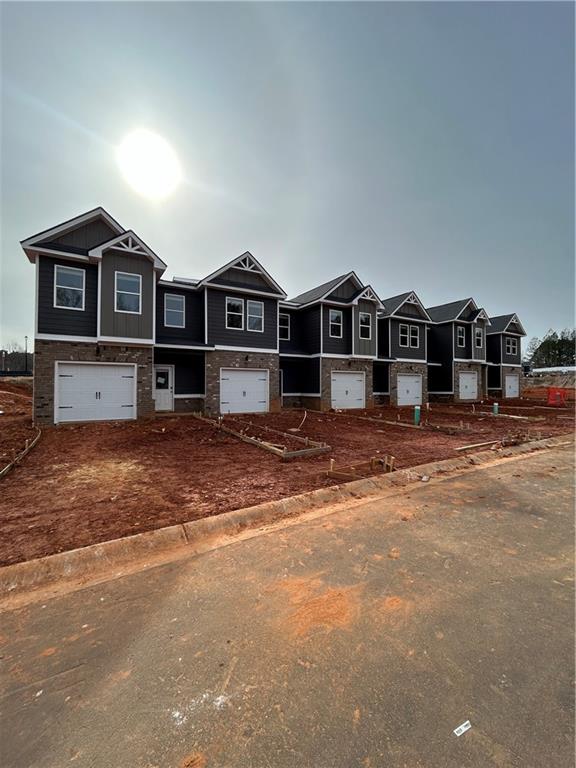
x=15, y=419
x=87, y=483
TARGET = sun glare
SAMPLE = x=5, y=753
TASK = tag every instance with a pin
x=149, y=164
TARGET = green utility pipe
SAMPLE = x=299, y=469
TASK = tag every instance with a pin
x=417, y=415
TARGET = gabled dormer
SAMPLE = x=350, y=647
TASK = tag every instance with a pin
x=241, y=306
x=462, y=323
x=402, y=328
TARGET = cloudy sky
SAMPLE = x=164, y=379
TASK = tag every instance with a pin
x=428, y=146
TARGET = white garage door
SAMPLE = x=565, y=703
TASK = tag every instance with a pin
x=348, y=389
x=512, y=385
x=243, y=391
x=469, y=385
x=409, y=389
x=87, y=392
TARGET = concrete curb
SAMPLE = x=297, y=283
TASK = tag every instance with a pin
x=200, y=535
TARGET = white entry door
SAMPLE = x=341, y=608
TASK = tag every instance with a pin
x=409, y=388
x=94, y=392
x=164, y=387
x=469, y=385
x=348, y=389
x=512, y=382
x=243, y=390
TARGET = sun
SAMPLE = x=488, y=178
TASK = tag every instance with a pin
x=149, y=164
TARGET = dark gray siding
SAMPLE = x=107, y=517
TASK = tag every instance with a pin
x=464, y=353
x=383, y=337
x=189, y=369
x=300, y=375
x=440, y=339
x=493, y=348
x=119, y=324
x=304, y=331
x=511, y=359
x=407, y=353
x=68, y=322
x=411, y=311
x=83, y=238
x=219, y=334
x=242, y=278
x=478, y=353
x=381, y=378
x=331, y=345
x=494, y=377
x=344, y=292
x=193, y=333
x=364, y=346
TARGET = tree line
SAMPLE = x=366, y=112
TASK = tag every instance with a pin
x=555, y=349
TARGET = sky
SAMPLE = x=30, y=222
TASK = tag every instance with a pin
x=427, y=146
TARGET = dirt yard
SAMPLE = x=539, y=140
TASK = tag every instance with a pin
x=15, y=423
x=88, y=483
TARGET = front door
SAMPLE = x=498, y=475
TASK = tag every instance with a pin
x=164, y=387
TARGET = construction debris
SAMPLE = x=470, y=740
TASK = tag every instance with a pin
x=375, y=466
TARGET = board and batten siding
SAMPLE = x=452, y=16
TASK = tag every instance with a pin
x=218, y=334
x=66, y=322
x=364, y=347
x=407, y=353
x=119, y=324
x=463, y=353
x=193, y=331
x=337, y=346
x=478, y=353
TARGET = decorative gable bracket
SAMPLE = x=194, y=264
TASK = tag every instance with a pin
x=248, y=264
x=368, y=294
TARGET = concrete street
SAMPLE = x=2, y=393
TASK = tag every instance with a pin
x=362, y=638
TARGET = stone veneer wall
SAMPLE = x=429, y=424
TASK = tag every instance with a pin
x=46, y=353
x=414, y=368
x=329, y=364
x=482, y=375
x=506, y=369
x=238, y=359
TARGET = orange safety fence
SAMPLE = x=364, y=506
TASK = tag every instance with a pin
x=557, y=396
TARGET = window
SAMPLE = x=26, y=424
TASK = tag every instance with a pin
x=174, y=312
x=255, y=316
x=461, y=336
x=335, y=319
x=479, y=337
x=414, y=336
x=365, y=325
x=511, y=346
x=235, y=313
x=69, y=284
x=128, y=293
x=404, y=335
x=284, y=327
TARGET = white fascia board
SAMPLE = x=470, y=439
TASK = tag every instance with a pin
x=183, y=346
x=33, y=253
x=177, y=286
x=126, y=341
x=65, y=337
x=238, y=289
x=225, y=348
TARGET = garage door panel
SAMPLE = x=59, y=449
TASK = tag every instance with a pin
x=409, y=389
x=243, y=391
x=347, y=389
x=86, y=392
x=468, y=385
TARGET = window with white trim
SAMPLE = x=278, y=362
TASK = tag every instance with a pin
x=414, y=336
x=174, y=311
x=284, y=327
x=479, y=338
x=335, y=323
x=128, y=291
x=404, y=335
x=461, y=336
x=365, y=321
x=69, y=287
x=255, y=316
x=511, y=346
x=234, y=313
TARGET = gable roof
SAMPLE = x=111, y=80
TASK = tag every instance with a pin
x=32, y=244
x=249, y=263
x=500, y=323
x=128, y=242
x=444, y=313
x=393, y=303
x=321, y=291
